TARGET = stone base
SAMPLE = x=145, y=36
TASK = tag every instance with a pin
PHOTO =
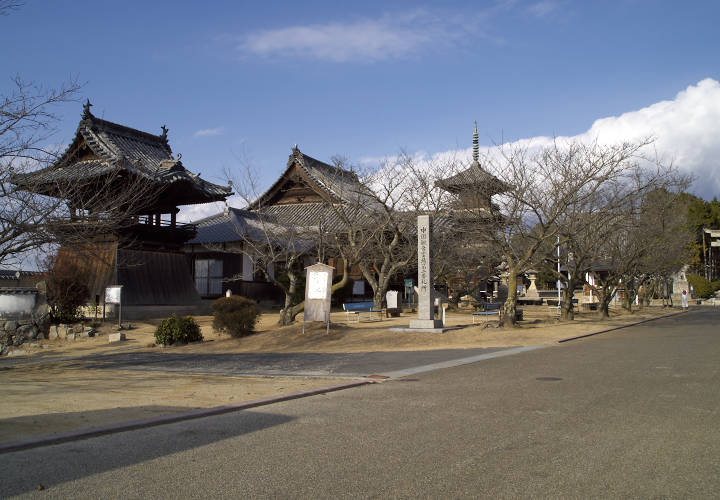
x=116, y=337
x=426, y=323
x=425, y=330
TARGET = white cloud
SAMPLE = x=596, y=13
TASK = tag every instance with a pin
x=193, y=213
x=684, y=130
x=389, y=37
x=205, y=132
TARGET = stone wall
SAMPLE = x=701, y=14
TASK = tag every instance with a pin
x=17, y=332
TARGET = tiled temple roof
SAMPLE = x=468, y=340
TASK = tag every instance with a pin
x=473, y=178
x=114, y=147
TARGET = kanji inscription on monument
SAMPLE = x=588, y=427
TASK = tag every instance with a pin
x=426, y=309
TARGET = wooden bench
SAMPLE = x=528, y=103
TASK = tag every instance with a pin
x=354, y=311
x=488, y=309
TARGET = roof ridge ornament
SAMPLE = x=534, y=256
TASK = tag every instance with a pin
x=476, y=147
x=86, y=110
x=163, y=136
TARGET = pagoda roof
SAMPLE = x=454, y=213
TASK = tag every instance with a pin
x=114, y=147
x=474, y=178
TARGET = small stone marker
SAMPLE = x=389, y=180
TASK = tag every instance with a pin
x=426, y=310
x=116, y=337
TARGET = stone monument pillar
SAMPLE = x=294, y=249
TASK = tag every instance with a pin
x=426, y=309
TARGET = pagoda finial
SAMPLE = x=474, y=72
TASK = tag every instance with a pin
x=476, y=147
x=164, y=133
x=86, y=110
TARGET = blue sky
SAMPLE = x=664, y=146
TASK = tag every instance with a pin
x=367, y=79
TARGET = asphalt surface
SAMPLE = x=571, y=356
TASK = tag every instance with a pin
x=350, y=365
x=632, y=413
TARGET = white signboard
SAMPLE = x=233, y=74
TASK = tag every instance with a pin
x=392, y=299
x=317, y=288
x=112, y=294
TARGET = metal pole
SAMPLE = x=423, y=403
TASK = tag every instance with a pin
x=558, y=269
x=705, y=257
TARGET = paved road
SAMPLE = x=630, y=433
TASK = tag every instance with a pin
x=633, y=413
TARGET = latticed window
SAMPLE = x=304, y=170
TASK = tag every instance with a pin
x=208, y=276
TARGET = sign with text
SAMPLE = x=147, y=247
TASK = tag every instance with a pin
x=318, y=283
x=113, y=294
x=317, y=288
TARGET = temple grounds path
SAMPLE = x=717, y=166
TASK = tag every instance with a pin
x=60, y=386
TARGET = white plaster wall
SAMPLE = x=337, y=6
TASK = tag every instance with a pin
x=16, y=303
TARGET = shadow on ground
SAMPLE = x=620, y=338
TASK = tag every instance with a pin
x=16, y=428
x=23, y=471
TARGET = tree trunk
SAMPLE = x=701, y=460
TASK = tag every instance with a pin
x=510, y=306
x=604, y=302
x=290, y=310
x=568, y=311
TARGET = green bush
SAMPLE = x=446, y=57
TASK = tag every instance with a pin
x=177, y=330
x=703, y=288
x=235, y=315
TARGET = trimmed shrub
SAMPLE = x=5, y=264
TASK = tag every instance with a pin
x=177, y=330
x=235, y=315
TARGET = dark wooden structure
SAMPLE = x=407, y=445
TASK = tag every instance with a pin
x=141, y=250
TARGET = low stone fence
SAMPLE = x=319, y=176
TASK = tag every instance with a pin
x=15, y=332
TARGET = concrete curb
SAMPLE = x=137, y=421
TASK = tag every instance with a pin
x=618, y=327
x=50, y=439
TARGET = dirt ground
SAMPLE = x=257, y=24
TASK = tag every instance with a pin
x=58, y=395
x=366, y=336
x=61, y=397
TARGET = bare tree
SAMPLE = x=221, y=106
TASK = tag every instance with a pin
x=546, y=187
x=650, y=239
x=379, y=223
x=27, y=122
x=278, y=246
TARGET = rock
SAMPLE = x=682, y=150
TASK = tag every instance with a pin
x=70, y=336
x=16, y=352
x=116, y=337
x=11, y=326
x=53, y=333
x=28, y=331
x=78, y=328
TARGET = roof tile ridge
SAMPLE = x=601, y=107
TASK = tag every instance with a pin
x=125, y=130
x=96, y=143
